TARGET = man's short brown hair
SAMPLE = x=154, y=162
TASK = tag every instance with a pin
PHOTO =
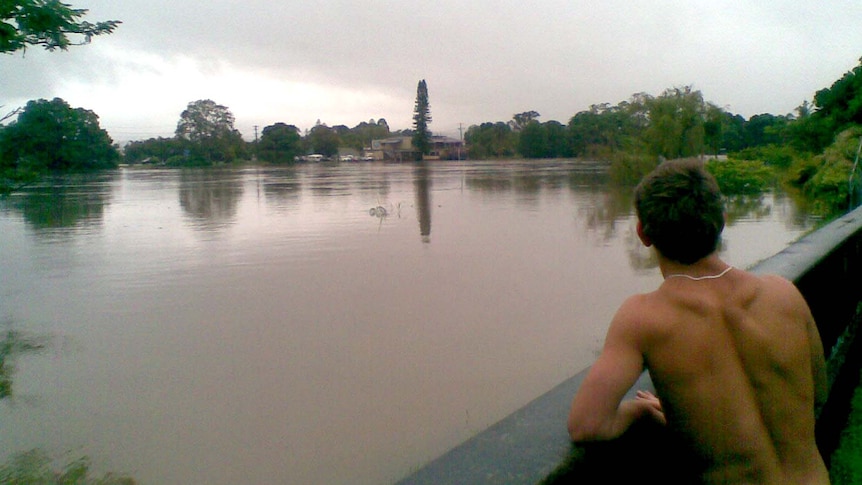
x=680, y=209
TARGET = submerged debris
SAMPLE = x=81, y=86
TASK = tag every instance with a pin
x=378, y=211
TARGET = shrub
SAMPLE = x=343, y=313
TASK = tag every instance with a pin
x=741, y=176
x=629, y=169
x=827, y=180
x=778, y=156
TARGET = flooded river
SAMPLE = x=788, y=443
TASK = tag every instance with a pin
x=314, y=324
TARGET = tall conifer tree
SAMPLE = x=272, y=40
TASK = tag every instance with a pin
x=421, y=118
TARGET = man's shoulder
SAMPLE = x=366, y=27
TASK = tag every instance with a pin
x=642, y=310
x=777, y=287
x=637, y=304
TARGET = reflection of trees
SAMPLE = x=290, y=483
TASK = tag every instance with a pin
x=282, y=187
x=488, y=182
x=641, y=258
x=36, y=466
x=610, y=204
x=739, y=207
x=369, y=181
x=13, y=345
x=325, y=179
x=71, y=201
x=422, y=181
x=533, y=177
x=791, y=200
x=588, y=175
x=210, y=196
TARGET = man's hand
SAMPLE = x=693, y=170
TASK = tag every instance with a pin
x=654, y=405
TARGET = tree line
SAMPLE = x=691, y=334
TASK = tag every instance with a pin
x=206, y=135
x=813, y=146
x=677, y=123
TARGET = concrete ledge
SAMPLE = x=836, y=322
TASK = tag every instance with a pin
x=525, y=447
x=532, y=445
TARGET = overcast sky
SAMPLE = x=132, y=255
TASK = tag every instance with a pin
x=344, y=62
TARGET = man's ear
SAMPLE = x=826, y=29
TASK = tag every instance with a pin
x=643, y=237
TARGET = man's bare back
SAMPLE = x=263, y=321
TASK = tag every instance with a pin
x=743, y=402
x=736, y=358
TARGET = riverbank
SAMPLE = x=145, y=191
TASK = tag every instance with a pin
x=846, y=466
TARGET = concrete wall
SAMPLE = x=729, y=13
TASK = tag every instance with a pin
x=532, y=445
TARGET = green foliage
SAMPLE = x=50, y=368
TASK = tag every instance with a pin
x=842, y=102
x=826, y=179
x=741, y=176
x=421, y=119
x=778, y=156
x=533, y=141
x=558, y=143
x=187, y=161
x=208, y=132
x=846, y=463
x=51, y=136
x=490, y=140
x=360, y=136
x=323, y=140
x=521, y=120
x=154, y=150
x=543, y=140
x=837, y=108
x=676, y=123
x=828, y=188
x=12, y=179
x=810, y=134
x=603, y=129
x=48, y=23
x=280, y=143
x=628, y=169
x=765, y=129
x=33, y=467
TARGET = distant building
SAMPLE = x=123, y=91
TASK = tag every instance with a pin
x=400, y=148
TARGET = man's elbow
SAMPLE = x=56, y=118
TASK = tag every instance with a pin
x=582, y=430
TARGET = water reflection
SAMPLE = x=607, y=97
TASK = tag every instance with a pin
x=282, y=189
x=323, y=326
x=611, y=204
x=746, y=207
x=13, y=345
x=210, y=197
x=69, y=202
x=36, y=465
x=488, y=183
x=422, y=184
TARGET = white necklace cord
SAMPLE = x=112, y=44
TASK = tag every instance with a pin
x=700, y=278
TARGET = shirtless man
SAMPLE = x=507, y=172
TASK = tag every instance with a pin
x=735, y=358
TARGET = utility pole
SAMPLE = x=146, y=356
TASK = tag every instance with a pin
x=254, y=155
x=461, y=136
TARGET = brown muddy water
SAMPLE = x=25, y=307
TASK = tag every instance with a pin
x=316, y=324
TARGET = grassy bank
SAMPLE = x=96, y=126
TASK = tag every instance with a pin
x=847, y=459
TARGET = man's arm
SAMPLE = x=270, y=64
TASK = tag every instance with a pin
x=818, y=365
x=598, y=412
x=818, y=362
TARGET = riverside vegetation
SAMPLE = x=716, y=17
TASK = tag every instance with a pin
x=813, y=151
x=36, y=466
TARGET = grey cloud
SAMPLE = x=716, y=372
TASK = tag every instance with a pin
x=485, y=60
